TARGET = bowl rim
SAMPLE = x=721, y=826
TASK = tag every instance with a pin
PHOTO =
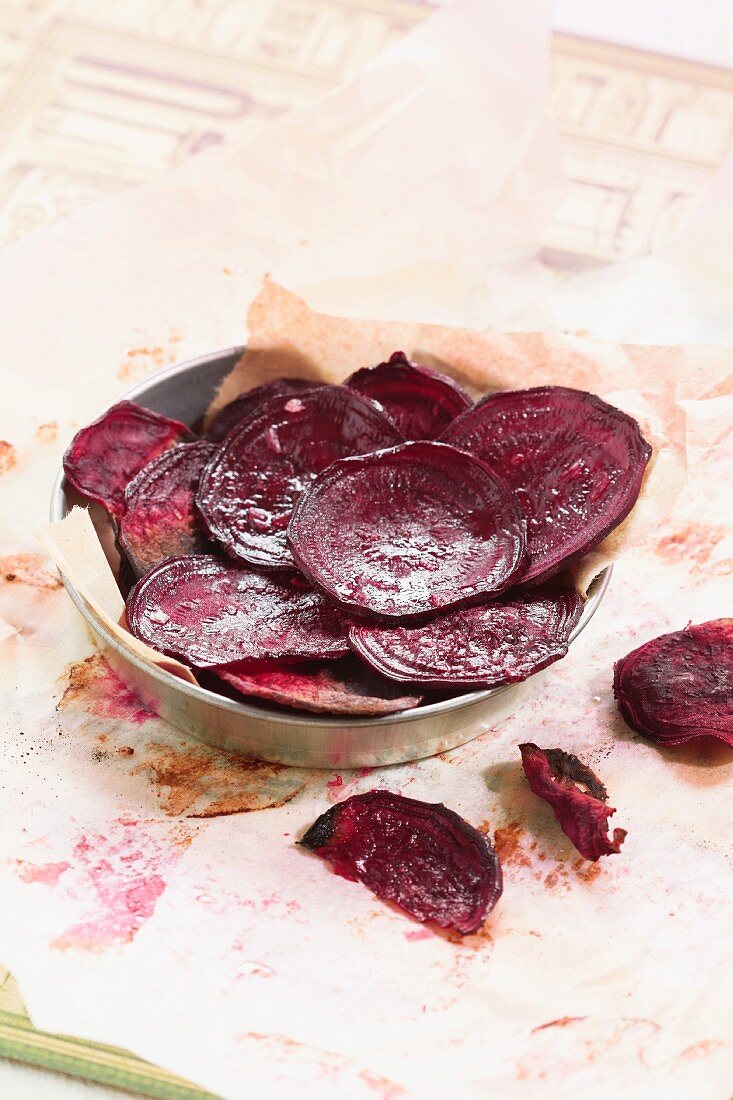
x=58, y=511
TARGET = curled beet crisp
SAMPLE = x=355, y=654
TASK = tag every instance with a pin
x=679, y=687
x=408, y=531
x=159, y=520
x=419, y=855
x=575, y=462
x=419, y=401
x=249, y=487
x=324, y=687
x=487, y=646
x=104, y=457
x=577, y=797
x=249, y=402
x=208, y=612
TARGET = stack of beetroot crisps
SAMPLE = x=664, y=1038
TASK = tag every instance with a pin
x=355, y=549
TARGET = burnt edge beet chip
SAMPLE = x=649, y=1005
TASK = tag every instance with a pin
x=334, y=687
x=421, y=402
x=575, y=462
x=104, y=457
x=159, y=520
x=209, y=612
x=249, y=402
x=679, y=687
x=249, y=487
x=482, y=647
x=559, y=778
x=408, y=531
x=419, y=855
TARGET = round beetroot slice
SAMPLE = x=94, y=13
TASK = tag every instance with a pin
x=487, y=646
x=104, y=457
x=250, y=402
x=575, y=462
x=208, y=612
x=334, y=687
x=249, y=487
x=421, y=402
x=419, y=855
x=159, y=519
x=408, y=531
x=679, y=687
x=578, y=799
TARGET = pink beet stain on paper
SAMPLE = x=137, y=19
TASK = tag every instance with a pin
x=92, y=686
x=46, y=873
x=120, y=875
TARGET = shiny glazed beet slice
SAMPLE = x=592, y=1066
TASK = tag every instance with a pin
x=483, y=647
x=408, y=531
x=419, y=855
x=421, y=402
x=679, y=687
x=575, y=463
x=578, y=799
x=248, y=489
x=334, y=687
x=159, y=520
x=249, y=402
x=209, y=612
x=104, y=457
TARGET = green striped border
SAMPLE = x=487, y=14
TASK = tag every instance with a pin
x=21, y=1042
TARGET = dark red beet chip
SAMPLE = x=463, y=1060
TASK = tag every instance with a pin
x=577, y=797
x=159, y=519
x=679, y=687
x=248, y=490
x=209, y=612
x=105, y=456
x=421, y=402
x=487, y=646
x=575, y=463
x=335, y=687
x=419, y=855
x=408, y=531
x=250, y=402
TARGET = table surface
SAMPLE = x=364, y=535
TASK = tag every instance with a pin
x=641, y=137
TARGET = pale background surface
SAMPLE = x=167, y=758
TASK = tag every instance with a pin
x=42, y=175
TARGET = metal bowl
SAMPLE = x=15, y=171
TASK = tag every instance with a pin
x=272, y=733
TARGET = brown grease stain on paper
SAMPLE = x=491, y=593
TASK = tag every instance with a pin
x=146, y=354
x=205, y=782
x=8, y=457
x=47, y=433
x=30, y=569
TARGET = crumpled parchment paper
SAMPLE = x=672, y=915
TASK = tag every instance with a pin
x=212, y=945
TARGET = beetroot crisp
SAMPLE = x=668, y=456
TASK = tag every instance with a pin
x=249, y=402
x=105, y=456
x=408, y=531
x=575, y=463
x=418, y=855
x=419, y=401
x=159, y=519
x=324, y=687
x=679, y=687
x=496, y=643
x=578, y=799
x=207, y=612
x=248, y=489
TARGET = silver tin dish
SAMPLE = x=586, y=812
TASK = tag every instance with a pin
x=270, y=733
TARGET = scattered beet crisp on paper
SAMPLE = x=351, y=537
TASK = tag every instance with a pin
x=278, y=933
